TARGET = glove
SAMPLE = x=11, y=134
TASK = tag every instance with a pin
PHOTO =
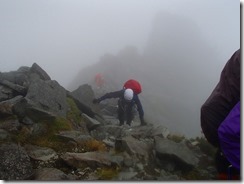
x=95, y=101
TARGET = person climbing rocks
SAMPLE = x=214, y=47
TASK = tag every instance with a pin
x=127, y=99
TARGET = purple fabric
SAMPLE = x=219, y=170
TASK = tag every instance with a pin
x=229, y=136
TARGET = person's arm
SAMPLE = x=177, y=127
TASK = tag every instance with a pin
x=140, y=109
x=115, y=94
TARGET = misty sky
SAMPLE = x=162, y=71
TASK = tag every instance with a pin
x=63, y=36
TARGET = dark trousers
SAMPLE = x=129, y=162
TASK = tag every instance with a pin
x=124, y=112
x=224, y=168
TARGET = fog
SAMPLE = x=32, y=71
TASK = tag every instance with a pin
x=175, y=48
x=63, y=36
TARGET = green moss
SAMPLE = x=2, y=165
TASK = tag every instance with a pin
x=46, y=136
x=59, y=124
x=108, y=173
x=74, y=112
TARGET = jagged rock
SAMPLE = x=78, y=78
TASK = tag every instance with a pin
x=84, y=94
x=176, y=153
x=109, y=142
x=26, y=107
x=50, y=174
x=93, y=159
x=39, y=153
x=134, y=146
x=140, y=131
x=49, y=96
x=90, y=122
x=160, y=131
x=106, y=131
x=10, y=125
x=19, y=77
x=76, y=136
x=19, y=90
x=6, y=107
x=5, y=93
x=141, y=158
x=82, y=107
x=35, y=68
x=15, y=163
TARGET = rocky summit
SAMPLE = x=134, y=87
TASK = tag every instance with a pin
x=48, y=133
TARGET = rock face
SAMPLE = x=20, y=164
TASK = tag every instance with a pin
x=48, y=133
x=38, y=91
x=49, y=96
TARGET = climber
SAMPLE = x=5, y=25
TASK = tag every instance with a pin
x=127, y=99
x=220, y=119
x=99, y=80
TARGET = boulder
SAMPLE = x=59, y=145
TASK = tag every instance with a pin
x=15, y=163
x=84, y=94
x=134, y=146
x=49, y=174
x=73, y=135
x=27, y=108
x=49, y=96
x=178, y=153
x=90, y=122
x=93, y=159
x=6, y=107
x=6, y=93
x=18, y=89
x=35, y=68
x=39, y=153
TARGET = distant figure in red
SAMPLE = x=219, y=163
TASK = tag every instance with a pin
x=99, y=80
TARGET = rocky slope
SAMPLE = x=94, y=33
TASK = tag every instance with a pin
x=48, y=133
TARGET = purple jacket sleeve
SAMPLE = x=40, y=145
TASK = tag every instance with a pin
x=229, y=136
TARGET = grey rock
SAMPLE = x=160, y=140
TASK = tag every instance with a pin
x=133, y=146
x=176, y=153
x=84, y=94
x=50, y=174
x=35, y=68
x=39, y=153
x=26, y=107
x=10, y=125
x=20, y=90
x=73, y=135
x=49, y=96
x=15, y=163
x=6, y=93
x=90, y=122
x=106, y=131
x=160, y=131
x=6, y=107
x=93, y=159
